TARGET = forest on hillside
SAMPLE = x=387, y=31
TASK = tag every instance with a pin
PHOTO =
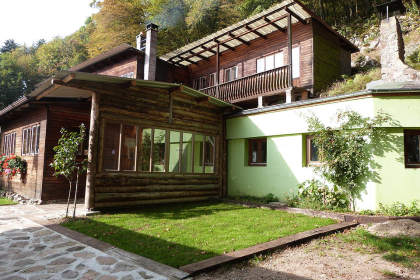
x=180, y=22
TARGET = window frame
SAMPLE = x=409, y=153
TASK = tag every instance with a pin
x=213, y=79
x=264, y=59
x=9, y=143
x=166, y=159
x=31, y=137
x=309, y=142
x=408, y=132
x=199, y=83
x=235, y=70
x=259, y=154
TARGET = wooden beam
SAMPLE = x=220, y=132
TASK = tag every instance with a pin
x=275, y=25
x=203, y=99
x=199, y=55
x=253, y=30
x=289, y=49
x=171, y=102
x=176, y=88
x=48, y=90
x=239, y=39
x=69, y=77
x=128, y=85
x=295, y=16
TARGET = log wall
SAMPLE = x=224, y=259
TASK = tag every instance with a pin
x=150, y=107
x=31, y=183
x=69, y=116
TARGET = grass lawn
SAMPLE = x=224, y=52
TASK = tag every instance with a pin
x=181, y=234
x=6, y=201
x=403, y=250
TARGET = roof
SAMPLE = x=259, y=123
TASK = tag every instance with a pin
x=391, y=88
x=105, y=55
x=259, y=25
x=49, y=89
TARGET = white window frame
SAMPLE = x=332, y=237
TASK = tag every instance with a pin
x=277, y=58
x=231, y=74
x=296, y=62
x=9, y=143
x=199, y=83
x=213, y=79
x=30, y=140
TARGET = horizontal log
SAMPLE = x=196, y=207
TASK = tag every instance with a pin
x=162, y=117
x=156, y=188
x=123, y=182
x=156, y=175
x=151, y=195
x=149, y=202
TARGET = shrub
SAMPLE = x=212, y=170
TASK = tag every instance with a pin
x=254, y=199
x=399, y=209
x=12, y=165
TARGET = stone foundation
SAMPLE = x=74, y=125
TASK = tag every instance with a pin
x=20, y=198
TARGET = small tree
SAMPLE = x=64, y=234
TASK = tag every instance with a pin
x=65, y=162
x=343, y=149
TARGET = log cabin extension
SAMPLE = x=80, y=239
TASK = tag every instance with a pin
x=156, y=125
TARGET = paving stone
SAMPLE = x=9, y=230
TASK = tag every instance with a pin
x=76, y=248
x=52, y=238
x=33, y=269
x=55, y=256
x=69, y=274
x=123, y=267
x=24, y=262
x=32, y=229
x=22, y=255
x=43, y=233
x=57, y=268
x=39, y=248
x=90, y=275
x=64, y=244
x=84, y=255
x=106, y=260
x=14, y=278
x=128, y=277
x=40, y=277
x=20, y=244
x=21, y=238
x=144, y=275
x=81, y=266
x=61, y=261
x=107, y=277
x=2, y=248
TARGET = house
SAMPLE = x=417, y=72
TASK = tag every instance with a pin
x=172, y=129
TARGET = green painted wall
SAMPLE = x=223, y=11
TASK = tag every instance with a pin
x=286, y=166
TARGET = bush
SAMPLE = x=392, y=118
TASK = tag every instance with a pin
x=314, y=195
x=255, y=199
x=12, y=165
x=399, y=209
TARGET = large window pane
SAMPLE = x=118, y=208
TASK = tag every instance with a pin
x=269, y=62
x=260, y=65
x=129, y=145
x=111, y=146
x=198, y=153
x=159, y=150
x=186, y=152
x=296, y=62
x=413, y=148
x=209, y=154
x=174, y=149
x=279, y=59
x=145, y=149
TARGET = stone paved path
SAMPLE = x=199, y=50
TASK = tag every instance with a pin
x=29, y=250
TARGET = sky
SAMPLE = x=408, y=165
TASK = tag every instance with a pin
x=27, y=21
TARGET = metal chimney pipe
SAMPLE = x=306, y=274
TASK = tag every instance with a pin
x=150, y=53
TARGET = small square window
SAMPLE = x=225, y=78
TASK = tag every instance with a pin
x=257, y=152
x=412, y=148
x=312, y=151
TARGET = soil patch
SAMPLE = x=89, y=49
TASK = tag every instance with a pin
x=396, y=228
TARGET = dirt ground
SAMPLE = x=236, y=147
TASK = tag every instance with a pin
x=326, y=258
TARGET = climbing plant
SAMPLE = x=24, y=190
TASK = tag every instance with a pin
x=343, y=149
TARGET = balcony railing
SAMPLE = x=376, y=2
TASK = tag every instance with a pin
x=263, y=83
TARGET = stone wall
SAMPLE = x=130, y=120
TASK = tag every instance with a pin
x=392, y=54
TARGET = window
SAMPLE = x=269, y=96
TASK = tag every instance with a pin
x=231, y=74
x=312, y=152
x=145, y=149
x=213, y=80
x=9, y=143
x=199, y=83
x=257, y=149
x=270, y=62
x=30, y=140
x=412, y=148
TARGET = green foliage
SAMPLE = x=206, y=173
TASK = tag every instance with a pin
x=354, y=83
x=9, y=46
x=343, y=149
x=6, y=201
x=313, y=194
x=65, y=159
x=180, y=234
x=414, y=59
x=12, y=165
x=254, y=199
x=400, y=209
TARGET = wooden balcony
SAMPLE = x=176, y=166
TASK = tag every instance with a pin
x=265, y=83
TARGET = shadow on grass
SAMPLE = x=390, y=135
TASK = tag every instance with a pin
x=174, y=211
x=152, y=247
x=404, y=250
x=255, y=273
